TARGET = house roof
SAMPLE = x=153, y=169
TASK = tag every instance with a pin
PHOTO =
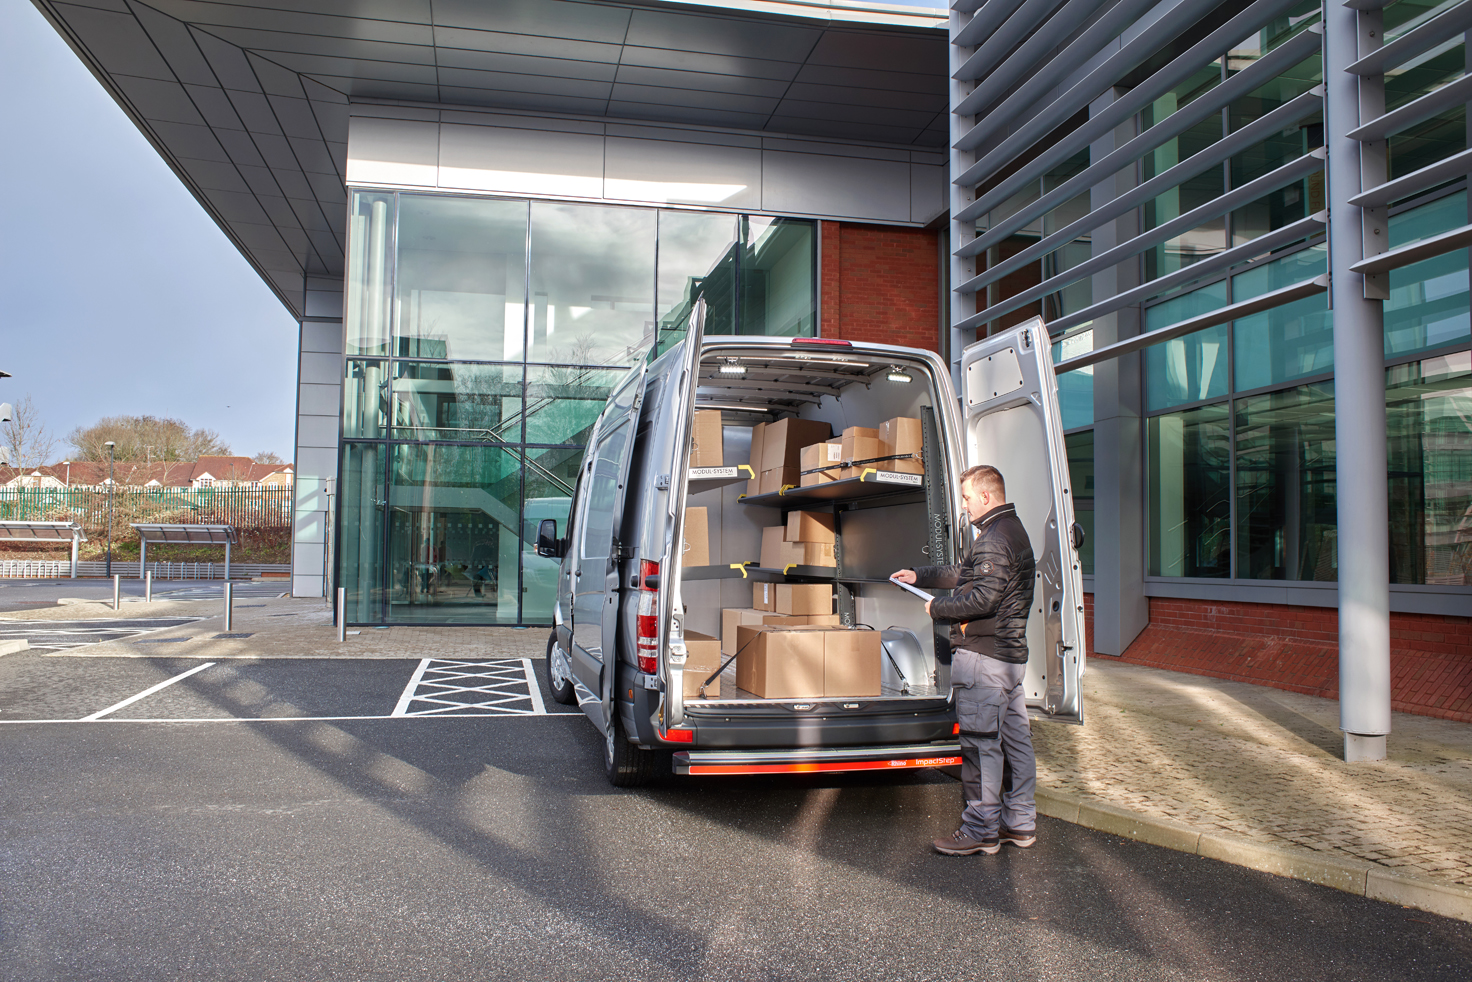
x=249, y=102
x=174, y=474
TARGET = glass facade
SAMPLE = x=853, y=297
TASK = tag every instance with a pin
x=483, y=337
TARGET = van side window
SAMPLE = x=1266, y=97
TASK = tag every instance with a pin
x=599, y=515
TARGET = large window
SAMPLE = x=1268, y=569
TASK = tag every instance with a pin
x=483, y=336
x=1429, y=425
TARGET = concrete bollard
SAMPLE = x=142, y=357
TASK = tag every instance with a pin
x=229, y=599
x=342, y=614
x=117, y=591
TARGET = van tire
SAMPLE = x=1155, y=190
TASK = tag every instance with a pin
x=626, y=765
x=559, y=679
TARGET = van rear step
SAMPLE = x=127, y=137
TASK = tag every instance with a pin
x=810, y=761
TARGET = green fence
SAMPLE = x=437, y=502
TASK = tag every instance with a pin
x=244, y=508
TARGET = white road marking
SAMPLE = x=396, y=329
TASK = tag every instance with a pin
x=407, y=696
x=293, y=719
x=539, y=708
x=145, y=693
x=471, y=687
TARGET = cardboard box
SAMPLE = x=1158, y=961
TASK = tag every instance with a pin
x=764, y=596
x=782, y=442
x=851, y=662
x=791, y=662
x=901, y=435
x=705, y=439
x=815, y=457
x=734, y=617
x=775, y=480
x=753, y=485
x=852, y=434
x=703, y=657
x=810, y=526
x=804, y=598
x=816, y=554
x=780, y=662
x=777, y=552
x=697, y=538
x=860, y=448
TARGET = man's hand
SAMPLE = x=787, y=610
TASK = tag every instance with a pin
x=927, y=608
x=904, y=576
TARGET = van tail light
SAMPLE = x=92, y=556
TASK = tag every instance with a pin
x=822, y=342
x=679, y=736
x=647, y=644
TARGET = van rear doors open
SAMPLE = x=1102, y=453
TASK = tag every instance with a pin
x=1009, y=401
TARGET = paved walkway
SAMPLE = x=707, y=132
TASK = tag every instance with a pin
x=1240, y=772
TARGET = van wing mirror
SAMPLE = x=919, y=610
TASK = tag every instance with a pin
x=548, y=545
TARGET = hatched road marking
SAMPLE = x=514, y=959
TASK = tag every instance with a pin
x=456, y=687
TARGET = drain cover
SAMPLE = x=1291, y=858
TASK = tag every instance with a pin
x=218, y=637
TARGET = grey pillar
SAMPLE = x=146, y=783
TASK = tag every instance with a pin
x=1121, y=610
x=75, y=543
x=227, y=562
x=142, y=555
x=1359, y=423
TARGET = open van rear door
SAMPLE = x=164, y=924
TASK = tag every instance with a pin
x=1009, y=399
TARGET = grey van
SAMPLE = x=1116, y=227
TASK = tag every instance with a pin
x=624, y=602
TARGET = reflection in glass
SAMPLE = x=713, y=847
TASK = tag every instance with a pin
x=1288, y=342
x=778, y=294
x=365, y=398
x=454, y=520
x=697, y=257
x=563, y=401
x=1075, y=388
x=1081, y=484
x=462, y=278
x=1429, y=428
x=440, y=401
x=360, y=546
x=592, y=283
x=551, y=478
x=1187, y=369
x=1286, y=522
x=369, y=280
x=1190, y=488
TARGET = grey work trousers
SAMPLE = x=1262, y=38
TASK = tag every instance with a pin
x=998, y=770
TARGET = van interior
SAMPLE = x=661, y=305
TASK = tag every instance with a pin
x=880, y=521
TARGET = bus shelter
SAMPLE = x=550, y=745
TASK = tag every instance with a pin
x=46, y=532
x=192, y=535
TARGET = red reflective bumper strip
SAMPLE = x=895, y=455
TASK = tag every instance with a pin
x=812, y=767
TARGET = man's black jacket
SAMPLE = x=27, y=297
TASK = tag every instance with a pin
x=994, y=587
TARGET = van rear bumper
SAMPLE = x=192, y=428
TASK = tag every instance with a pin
x=816, y=761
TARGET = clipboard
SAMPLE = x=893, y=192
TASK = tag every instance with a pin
x=910, y=589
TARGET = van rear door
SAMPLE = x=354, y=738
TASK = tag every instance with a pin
x=1010, y=404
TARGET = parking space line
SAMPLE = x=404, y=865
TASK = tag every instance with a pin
x=472, y=687
x=407, y=696
x=539, y=708
x=145, y=693
x=291, y=719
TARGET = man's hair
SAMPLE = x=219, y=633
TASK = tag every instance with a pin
x=986, y=478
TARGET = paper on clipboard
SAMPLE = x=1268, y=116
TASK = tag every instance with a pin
x=909, y=589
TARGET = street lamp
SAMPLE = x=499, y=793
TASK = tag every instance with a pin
x=110, y=445
x=68, y=464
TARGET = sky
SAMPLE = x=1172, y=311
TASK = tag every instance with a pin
x=118, y=294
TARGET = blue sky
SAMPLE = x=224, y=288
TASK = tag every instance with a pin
x=118, y=294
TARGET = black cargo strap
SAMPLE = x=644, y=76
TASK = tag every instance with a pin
x=837, y=464
x=717, y=673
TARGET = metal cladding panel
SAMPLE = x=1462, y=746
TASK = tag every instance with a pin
x=663, y=171
x=716, y=35
x=393, y=151
x=848, y=187
x=672, y=78
x=322, y=369
x=556, y=18
x=318, y=400
x=492, y=158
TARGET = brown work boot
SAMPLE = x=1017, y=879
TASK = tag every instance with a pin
x=1014, y=837
x=959, y=843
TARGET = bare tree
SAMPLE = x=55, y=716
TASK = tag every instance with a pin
x=267, y=457
x=30, y=445
x=145, y=439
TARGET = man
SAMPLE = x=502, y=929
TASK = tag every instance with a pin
x=988, y=617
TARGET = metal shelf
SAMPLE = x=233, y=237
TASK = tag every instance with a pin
x=701, y=479
x=761, y=574
x=876, y=484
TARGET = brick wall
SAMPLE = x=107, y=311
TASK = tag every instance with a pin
x=881, y=284
x=1296, y=648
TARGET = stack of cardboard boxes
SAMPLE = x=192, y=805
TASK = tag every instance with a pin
x=778, y=446
x=898, y=437
x=796, y=662
x=705, y=439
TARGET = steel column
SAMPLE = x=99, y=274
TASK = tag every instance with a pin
x=1359, y=426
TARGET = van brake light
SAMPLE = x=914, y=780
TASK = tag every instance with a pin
x=647, y=643
x=825, y=342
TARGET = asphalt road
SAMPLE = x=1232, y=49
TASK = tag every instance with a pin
x=18, y=594
x=489, y=846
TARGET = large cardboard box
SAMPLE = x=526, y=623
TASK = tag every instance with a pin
x=764, y=596
x=783, y=441
x=901, y=435
x=697, y=538
x=758, y=437
x=851, y=662
x=848, y=442
x=734, y=617
x=780, y=662
x=804, y=598
x=705, y=440
x=816, y=553
x=703, y=656
x=777, y=552
x=810, y=526
x=775, y=480
x=817, y=456
x=860, y=448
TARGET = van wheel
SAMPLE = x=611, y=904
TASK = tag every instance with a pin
x=629, y=766
x=559, y=674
